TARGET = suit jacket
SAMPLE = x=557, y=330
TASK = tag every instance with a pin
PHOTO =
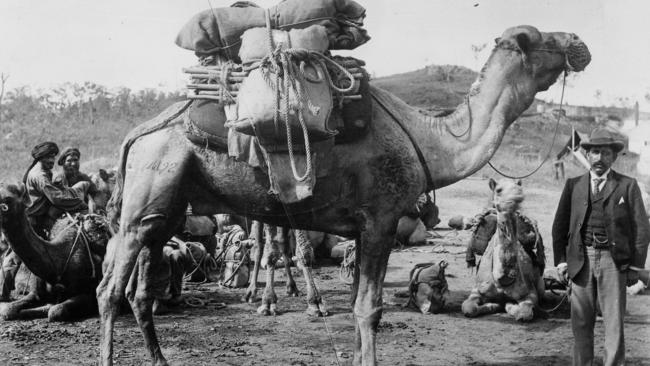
x=627, y=226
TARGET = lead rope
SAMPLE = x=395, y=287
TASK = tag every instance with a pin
x=292, y=225
x=557, y=125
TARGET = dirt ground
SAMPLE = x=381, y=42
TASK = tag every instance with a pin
x=236, y=335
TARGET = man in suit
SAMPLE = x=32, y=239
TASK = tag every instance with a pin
x=600, y=230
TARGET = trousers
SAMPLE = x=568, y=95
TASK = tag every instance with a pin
x=599, y=283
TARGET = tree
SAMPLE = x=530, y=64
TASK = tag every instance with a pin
x=3, y=82
x=476, y=50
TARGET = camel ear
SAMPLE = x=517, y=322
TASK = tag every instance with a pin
x=443, y=264
x=518, y=182
x=103, y=174
x=492, y=183
x=523, y=41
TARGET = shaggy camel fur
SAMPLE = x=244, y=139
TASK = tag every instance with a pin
x=506, y=273
x=373, y=181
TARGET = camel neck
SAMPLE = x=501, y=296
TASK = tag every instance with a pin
x=33, y=250
x=458, y=145
x=507, y=225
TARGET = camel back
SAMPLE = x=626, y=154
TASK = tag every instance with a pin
x=170, y=114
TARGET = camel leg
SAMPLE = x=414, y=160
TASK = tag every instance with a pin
x=150, y=263
x=251, y=292
x=285, y=247
x=118, y=266
x=269, y=259
x=376, y=243
x=13, y=310
x=35, y=313
x=474, y=305
x=73, y=308
x=305, y=255
x=523, y=310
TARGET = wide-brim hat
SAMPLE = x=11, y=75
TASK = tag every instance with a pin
x=603, y=137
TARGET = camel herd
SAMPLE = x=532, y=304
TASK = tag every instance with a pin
x=373, y=182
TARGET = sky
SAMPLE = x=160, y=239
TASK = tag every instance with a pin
x=128, y=43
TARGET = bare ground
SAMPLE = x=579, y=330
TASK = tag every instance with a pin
x=236, y=335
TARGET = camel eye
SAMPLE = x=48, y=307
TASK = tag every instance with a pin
x=498, y=190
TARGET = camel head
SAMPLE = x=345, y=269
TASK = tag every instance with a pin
x=545, y=55
x=13, y=201
x=104, y=181
x=507, y=195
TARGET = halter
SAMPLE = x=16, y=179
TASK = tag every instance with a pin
x=509, y=45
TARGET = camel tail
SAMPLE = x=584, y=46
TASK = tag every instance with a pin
x=114, y=206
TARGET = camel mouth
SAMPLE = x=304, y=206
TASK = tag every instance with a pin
x=577, y=55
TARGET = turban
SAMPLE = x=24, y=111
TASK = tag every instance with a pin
x=67, y=152
x=39, y=152
x=44, y=149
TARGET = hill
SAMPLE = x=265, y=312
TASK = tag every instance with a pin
x=96, y=120
x=432, y=87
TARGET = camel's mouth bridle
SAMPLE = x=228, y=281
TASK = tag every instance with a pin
x=4, y=207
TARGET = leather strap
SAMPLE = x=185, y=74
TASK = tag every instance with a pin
x=430, y=186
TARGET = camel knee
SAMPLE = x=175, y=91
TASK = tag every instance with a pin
x=369, y=319
x=524, y=311
x=470, y=308
x=58, y=313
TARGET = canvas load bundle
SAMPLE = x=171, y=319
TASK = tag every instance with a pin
x=218, y=31
x=284, y=90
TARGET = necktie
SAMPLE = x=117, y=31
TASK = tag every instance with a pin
x=597, y=182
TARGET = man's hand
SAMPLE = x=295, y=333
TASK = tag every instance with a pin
x=562, y=270
x=632, y=277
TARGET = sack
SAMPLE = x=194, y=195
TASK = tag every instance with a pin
x=219, y=30
x=428, y=287
x=309, y=94
x=255, y=41
x=236, y=269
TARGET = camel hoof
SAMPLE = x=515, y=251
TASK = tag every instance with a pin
x=292, y=291
x=266, y=310
x=250, y=296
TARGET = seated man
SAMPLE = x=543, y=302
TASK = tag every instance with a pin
x=180, y=259
x=200, y=229
x=47, y=203
x=69, y=161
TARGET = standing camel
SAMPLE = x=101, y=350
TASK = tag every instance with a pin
x=373, y=181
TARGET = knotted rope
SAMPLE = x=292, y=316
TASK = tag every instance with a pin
x=291, y=79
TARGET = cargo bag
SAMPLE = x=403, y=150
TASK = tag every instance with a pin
x=218, y=31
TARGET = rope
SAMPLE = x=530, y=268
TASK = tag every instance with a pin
x=562, y=300
x=469, y=124
x=347, y=266
x=548, y=154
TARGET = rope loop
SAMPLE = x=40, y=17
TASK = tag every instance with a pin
x=548, y=154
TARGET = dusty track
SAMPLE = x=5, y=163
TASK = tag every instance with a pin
x=236, y=335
